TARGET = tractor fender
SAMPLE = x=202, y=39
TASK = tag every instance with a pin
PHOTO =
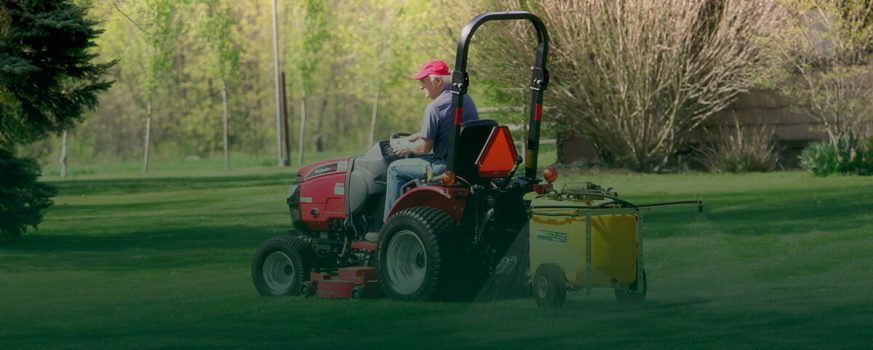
x=447, y=199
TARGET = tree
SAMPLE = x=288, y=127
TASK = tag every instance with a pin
x=825, y=49
x=311, y=24
x=186, y=108
x=23, y=200
x=47, y=80
x=637, y=77
x=160, y=29
x=217, y=28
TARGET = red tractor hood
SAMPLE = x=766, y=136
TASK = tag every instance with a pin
x=324, y=167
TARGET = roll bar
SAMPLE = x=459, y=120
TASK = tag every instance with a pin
x=539, y=82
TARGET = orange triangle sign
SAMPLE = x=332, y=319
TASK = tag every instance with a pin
x=498, y=156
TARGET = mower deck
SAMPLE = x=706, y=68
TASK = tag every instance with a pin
x=356, y=282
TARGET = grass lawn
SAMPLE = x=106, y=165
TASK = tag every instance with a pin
x=780, y=260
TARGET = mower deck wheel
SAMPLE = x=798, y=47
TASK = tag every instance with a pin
x=359, y=293
x=307, y=289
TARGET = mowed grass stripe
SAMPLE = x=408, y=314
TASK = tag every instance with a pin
x=779, y=260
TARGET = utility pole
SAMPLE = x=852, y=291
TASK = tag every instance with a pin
x=286, y=160
x=279, y=161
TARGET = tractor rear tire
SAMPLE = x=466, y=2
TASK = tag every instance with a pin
x=418, y=255
x=635, y=294
x=550, y=286
x=282, y=265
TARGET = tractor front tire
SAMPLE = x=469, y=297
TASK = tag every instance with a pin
x=282, y=265
x=417, y=255
x=550, y=286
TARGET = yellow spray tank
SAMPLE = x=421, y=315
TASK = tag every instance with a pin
x=584, y=236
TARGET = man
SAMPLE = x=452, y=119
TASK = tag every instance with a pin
x=432, y=143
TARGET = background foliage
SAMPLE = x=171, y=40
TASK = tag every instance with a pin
x=739, y=149
x=178, y=54
x=823, y=158
x=824, y=62
x=638, y=78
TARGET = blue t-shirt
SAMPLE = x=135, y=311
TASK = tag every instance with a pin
x=439, y=117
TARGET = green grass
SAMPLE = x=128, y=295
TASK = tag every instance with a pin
x=777, y=261
x=176, y=166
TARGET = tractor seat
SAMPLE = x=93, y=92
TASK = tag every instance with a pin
x=473, y=136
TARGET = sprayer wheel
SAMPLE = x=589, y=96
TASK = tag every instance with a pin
x=550, y=286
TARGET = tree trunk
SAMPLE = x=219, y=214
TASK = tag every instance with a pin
x=319, y=141
x=338, y=113
x=224, y=121
x=373, y=115
x=148, y=130
x=382, y=51
x=302, y=128
x=64, y=157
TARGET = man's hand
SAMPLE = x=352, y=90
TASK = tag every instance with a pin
x=414, y=144
x=401, y=146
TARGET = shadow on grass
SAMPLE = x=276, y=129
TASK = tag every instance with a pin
x=298, y=323
x=691, y=323
x=138, y=250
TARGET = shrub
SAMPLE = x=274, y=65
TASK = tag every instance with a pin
x=824, y=51
x=741, y=150
x=846, y=157
x=23, y=200
x=860, y=159
x=819, y=158
x=638, y=77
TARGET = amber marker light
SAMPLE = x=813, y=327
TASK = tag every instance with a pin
x=449, y=178
x=551, y=174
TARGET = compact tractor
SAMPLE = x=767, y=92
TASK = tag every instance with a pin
x=446, y=236
x=443, y=235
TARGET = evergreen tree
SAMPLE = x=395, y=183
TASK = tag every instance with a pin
x=22, y=199
x=47, y=80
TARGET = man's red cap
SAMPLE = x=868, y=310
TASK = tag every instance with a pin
x=437, y=67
